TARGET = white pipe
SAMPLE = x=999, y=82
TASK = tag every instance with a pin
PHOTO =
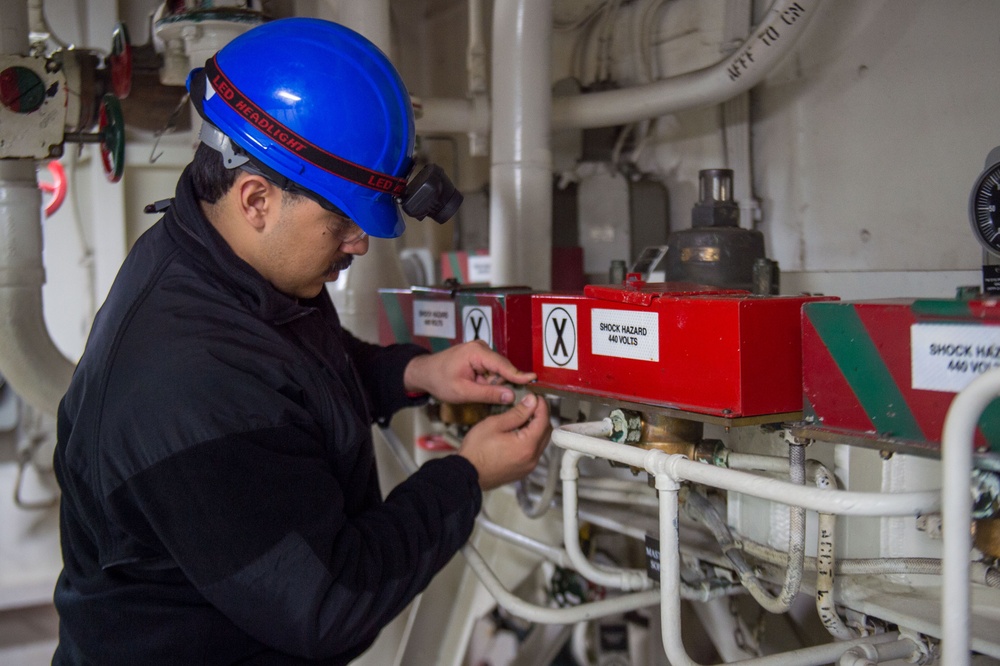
x=476, y=62
x=745, y=68
x=871, y=655
x=371, y=19
x=670, y=606
x=504, y=597
x=521, y=171
x=825, y=562
x=622, y=579
x=957, y=441
x=686, y=91
x=542, y=614
x=555, y=555
x=581, y=437
x=29, y=360
x=356, y=292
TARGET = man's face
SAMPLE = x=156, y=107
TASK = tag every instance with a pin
x=309, y=246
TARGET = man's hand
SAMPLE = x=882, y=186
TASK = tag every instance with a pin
x=506, y=447
x=470, y=372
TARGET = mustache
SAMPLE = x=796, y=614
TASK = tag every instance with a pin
x=343, y=263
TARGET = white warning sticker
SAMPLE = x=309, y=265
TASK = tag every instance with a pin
x=625, y=334
x=559, y=336
x=946, y=357
x=434, y=319
x=477, y=323
x=480, y=268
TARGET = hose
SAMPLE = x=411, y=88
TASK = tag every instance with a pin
x=540, y=508
x=825, y=560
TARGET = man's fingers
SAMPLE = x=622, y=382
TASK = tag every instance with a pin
x=518, y=415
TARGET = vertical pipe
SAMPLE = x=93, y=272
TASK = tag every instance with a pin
x=29, y=359
x=956, y=513
x=356, y=292
x=521, y=172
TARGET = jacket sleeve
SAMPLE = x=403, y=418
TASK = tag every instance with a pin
x=257, y=521
x=381, y=370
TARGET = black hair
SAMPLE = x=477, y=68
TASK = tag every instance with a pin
x=209, y=176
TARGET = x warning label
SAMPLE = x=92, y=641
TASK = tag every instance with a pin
x=559, y=336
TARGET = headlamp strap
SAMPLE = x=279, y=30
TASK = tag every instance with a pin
x=219, y=84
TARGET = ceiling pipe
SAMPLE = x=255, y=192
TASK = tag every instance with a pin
x=747, y=66
x=521, y=171
x=29, y=360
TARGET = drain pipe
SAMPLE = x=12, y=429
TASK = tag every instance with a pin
x=521, y=171
x=29, y=360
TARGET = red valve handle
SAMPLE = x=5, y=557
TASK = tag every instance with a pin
x=57, y=187
x=120, y=62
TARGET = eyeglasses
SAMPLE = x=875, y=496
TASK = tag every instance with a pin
x=292, y=188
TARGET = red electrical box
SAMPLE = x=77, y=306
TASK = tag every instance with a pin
x=887, y=370
x=698, y=349
x=439, y=317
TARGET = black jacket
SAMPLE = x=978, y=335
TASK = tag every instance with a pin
x=220, y=500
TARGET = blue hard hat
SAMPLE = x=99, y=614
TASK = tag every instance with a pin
x=322, y=106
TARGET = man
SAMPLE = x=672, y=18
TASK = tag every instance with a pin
x=220, y=499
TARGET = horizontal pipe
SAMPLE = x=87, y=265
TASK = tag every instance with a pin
x=840, y=502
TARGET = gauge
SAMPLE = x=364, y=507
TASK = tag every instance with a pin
x=984, y=205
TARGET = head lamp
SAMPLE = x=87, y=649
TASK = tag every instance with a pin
x=431, y=194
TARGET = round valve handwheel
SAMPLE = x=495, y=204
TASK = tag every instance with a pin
x=112, y=133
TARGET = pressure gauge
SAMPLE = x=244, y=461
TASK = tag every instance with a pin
x=984, y=205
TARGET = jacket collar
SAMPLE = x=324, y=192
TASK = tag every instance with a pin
x=196, y=236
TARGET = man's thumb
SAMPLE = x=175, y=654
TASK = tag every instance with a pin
x=518, y=415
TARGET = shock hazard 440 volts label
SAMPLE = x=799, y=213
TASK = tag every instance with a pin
x=625, y=334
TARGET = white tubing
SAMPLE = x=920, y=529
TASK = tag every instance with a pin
x=534, y=613
x=623, y=579
x=521, y=171
x=670, y=606
x=745, y=68
x=504, y=597
x=840, y=502
x=956, y=444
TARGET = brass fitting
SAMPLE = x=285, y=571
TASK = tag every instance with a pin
x=988, y=537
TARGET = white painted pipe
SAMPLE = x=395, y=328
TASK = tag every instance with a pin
x=476, y=64
x=507, y=599
x=29, y=360
x=670, y=600
x=545, y=615
x=619, y=579
x=371, y=19
x=957, y=441
x=585, y=439
x=355, y=293
x=745, y=68
x=521, y=171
